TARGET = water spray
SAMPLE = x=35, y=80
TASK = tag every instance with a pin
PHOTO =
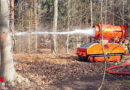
x=89, y=32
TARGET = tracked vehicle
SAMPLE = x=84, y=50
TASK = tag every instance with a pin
x=113, y=38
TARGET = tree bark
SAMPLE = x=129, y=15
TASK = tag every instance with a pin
x=68, y=24
x=91, y=5
x=12, y=21
x=7, y=65
x=54, y=37
x=113, y=17
x=35, y=22
x=12, y=15
x=106, y=12
x=123, y=14
x=29, y=27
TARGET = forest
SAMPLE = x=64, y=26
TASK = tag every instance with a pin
x=47, y=44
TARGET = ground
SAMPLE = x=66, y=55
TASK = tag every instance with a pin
x=65, y=72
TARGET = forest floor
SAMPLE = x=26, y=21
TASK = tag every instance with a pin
x=65, y=72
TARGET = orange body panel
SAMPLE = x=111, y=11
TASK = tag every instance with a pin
x=109, y=48
x=110, y=32
x=111, y=58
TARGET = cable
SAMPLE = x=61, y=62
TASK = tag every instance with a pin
x=118, y=73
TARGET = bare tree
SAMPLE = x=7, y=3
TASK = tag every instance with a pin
x=11, y=15
x=129, y=26
x=106, y=12
x=35, y=22
x=123, y=13
x=91, y=5
x=7, y=65
x=54, y=37
x=29, y=27
x=12, y=19
x=68, y=24
x=91, y=9
x=113, y=13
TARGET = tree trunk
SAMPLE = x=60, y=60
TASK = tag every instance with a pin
x=12, y=15
x=68, y=23
x=91, y=5
x=12, y=21
x=7, y=66
x=54, y=37
x=35, y=22
x=106, y=12
x=129, y=17
x=129, y=23
x=113, y=17
x=29, y=27
x=123, y=14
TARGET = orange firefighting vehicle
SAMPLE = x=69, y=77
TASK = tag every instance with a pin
x=113, y=37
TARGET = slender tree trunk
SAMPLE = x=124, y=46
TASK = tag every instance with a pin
x=68, y=24
x=12, y=15
x=129, y=23
x=123, y=14
x=12, y=21
x=113, y=17
x=7, y=65
x=91, y=5
x=29, y=36
x=35, y=22
x=106, y=12
x=54, y=37
x=129, y=17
